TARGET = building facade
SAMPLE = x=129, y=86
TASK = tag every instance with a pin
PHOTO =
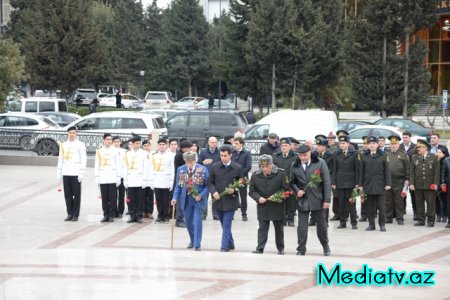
x=5, y=12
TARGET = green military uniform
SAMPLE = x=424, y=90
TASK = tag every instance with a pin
x=266, y=186
x=333, y=148
x=425, y=171
x=284, y=162
x=399, y=169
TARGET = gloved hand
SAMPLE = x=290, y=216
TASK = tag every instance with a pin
x=118, y=181
x=80, y=178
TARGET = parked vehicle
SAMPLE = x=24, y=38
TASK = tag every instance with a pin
x=61, y=118
x=37, y=104
x=83, y=96
x=377, y=130
x=203, y=104
x=164, y=113
x=407, y=125
x=128, y=101
x=187, y=101
x=300, y=124
x=201, y=124
x=121, y=122
x=158, y=99
x=349, y=125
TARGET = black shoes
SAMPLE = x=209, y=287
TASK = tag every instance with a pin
x=198, y=249
x=105, y=219
x=354, y=227
x=244, y=218
x=302, y=253
x=363, y=219
x=342, y=225
x=280, y=252
x=326, y=250
x=190, y=246
x=370, y=228
x=312, y=223
x=382, y=228
x=180, y=224
x=389, y=221
x=68, y=218
x=258, y=251
x=400, y=222
x=430, y=224
x=111, y=219
x=419, y=224
x=448, y=225
x=224, y=250
x=215, y=218
x=131, y=220
x=335, y=218
x=139, y=221
x=74, y=219
x=290, y=223
x=119, y=216
x=159, y=220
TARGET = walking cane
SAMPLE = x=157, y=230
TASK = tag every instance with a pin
x=173, y=226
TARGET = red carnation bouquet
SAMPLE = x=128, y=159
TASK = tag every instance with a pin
x=191, y=189
x=235, y=186
x=405, y=190
x=315, y=179
x=433, y=187
x=280, y=196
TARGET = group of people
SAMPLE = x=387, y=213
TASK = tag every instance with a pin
x=292, y=178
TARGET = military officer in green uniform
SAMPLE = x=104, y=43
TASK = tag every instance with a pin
x=332, y=145
x=399, y=169
x=424, y=180
x=283, y=159
x=375, y=179
x=264, y=184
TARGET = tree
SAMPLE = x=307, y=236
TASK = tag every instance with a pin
x=61, y=45
x=11, y=68
x=183, y=52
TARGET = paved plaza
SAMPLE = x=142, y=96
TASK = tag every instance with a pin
x=43, y=257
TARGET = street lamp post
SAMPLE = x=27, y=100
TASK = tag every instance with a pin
x=220, y=51
x=142, y=74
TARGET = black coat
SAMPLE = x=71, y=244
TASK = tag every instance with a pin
x=328, y=157
x=314, y=196
x=268, y=148
x=345, y=169
x=266, y=186
x=219, y=179
x=411, y=150
x=375, y=173
x=244, y=158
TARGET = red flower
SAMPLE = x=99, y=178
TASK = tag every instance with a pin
x=433, y=186
x=403, y=194
x=317, y=172
x=444, y=188
x=243, y=181
x=59, y=190
x=128, y=199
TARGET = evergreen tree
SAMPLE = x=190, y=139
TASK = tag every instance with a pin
x=11, y=68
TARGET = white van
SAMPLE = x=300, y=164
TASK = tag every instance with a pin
x=300, y=124
x=158, y=99
x=37, y=104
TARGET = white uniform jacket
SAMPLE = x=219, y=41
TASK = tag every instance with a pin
x=107, y=165
x=71, y=159
x=160, y=170
x=133, y=168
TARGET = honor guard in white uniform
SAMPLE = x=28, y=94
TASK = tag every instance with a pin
x=121, y=188
x=147, y=202
x=133, y=174
x=71, y=167
x=108, y=176
x=159, y=175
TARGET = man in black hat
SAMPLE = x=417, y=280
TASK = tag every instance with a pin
x=424, y=179
x=185, y=146
x=399, y=169
x=283, y=159
x=312, y=198
x=345, y=179
x=322, y=151
x=375, y=179
x=294, y=144
x=244, y=158
x=264, y=184
x=71, y=168
x=271, y=146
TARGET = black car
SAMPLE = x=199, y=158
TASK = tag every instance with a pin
x=407, y=125
x=61, y=118
x=201, y=124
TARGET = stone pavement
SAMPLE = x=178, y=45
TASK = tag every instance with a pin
x=42, y=257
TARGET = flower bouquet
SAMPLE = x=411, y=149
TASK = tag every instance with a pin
x=280, y=196
x=357, y=195
x=315, y=179
x=235, y=186
x=405, y=190
x=192, y=191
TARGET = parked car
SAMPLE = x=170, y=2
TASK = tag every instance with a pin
x=164, y=113
x=187, y=101
x=83, y=96
x=203, y=104
x=201, y=124
x=128, y=101
x=120, y=122
x=61, y=118
x=158, y=99
x=377, y=130
x=37, y=104
x=349, y=125
x=17, y=129
x=300, y=124
x=407, y=125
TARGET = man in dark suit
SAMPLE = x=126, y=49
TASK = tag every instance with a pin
x=265, y=183
x=313, y=198
x=375, y=179
x=224, y=173
x=271, y=146
x=243, y=157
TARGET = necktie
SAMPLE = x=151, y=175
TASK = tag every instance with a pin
x=423, y=158
x=190, y=173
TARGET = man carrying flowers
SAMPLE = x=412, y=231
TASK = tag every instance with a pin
x=224, y=174
x=310, y=181
x=268, y=188
x=191, y=189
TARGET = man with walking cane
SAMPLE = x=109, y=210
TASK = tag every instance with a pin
x=191, y=189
